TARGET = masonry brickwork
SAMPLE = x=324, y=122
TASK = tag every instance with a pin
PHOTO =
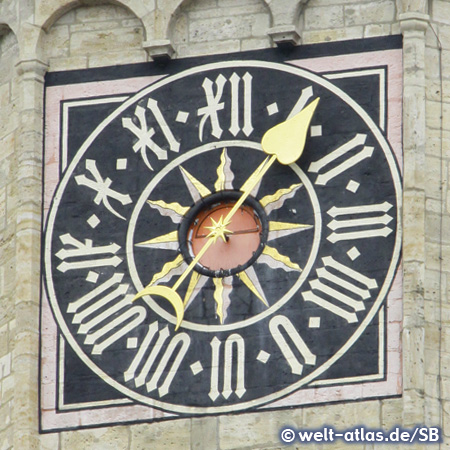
x=51, y=35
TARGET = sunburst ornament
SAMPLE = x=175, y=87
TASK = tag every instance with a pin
x=234, y=253
x=219, y=230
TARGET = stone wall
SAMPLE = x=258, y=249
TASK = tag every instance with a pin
x=93, y=36
x=437, y=235
x=8, y=194
x=55, y=35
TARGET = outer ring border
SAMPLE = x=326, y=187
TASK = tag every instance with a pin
x=383, y=291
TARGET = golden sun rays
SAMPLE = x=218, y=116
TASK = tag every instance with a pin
x=248, y=277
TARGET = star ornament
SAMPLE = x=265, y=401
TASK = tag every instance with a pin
x=219, y=230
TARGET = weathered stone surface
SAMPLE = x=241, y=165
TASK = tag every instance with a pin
x=113, y=438
x=260, y=430
x=204, y=433
x=323, y=18
x=173, y=435
x=367, y=13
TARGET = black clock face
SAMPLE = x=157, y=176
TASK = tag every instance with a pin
x=291, y=283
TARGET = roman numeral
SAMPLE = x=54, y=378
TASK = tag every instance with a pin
x=328, y=170
x=215, y=103
x=85, y=254
x=233, y=341
x=280, y=327
x=366, y=225
x=235, y=81
x=153, y=347
x=105, y=315
x=340, y=290
x=305, y=96
x=102, y=187
x=145, y=134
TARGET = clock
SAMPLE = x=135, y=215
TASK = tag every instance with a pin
x=195, y=268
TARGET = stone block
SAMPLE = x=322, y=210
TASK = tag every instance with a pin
x=432, y=293
x=432, y=70
x=23, y=438
x=204, y=433
x=67, y=18
x=233, y=3
x=366, y=13
x=5, y=89
x=235, y=12
x=257, y=430
x=172, y=435
x=413, y=407
x=111, y=438
x=432, y=411
x=445, y=62
x=445, y=332
x=4, y=340
x=8, y=119
x=446, y=419
x=433, y=115
x=209, y=48
x=85, y=43
x=56, y=42
x=25, y=405
x=7, y=389
x=180, y=29
x=434, y=260
x=433, y=226
x=313, y=37
x=440, y=12
x=431, y=386
x=7, y=285
x=5, y=415
x=377, y=29
x=5, y=170
x=85, y=27
x=203, y=4
x=49, y=441
x=444, y=36
x=5, y=365
x=433, y=147
x=70, y=63
x=129, y=57
x=6, y=438
x=219, y=29
x=445, y=383
x=391, y=413
x=260, y=24
x=322, y=18
x=413, y=308
x=101, y=13
x=344, y=415
x=255, y=43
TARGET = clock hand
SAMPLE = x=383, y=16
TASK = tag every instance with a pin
x=285, y=142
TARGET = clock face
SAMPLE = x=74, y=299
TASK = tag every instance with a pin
x=263, y=294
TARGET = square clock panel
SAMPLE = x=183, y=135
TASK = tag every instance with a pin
x=222, y=234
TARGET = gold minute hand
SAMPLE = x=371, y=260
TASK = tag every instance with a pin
x=285, y=142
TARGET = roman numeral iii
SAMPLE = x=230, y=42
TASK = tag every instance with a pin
x=340, y=289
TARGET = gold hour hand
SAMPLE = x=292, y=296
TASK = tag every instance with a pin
x=285, y=142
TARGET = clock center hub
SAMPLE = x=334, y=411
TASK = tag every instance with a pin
x=237, y=242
